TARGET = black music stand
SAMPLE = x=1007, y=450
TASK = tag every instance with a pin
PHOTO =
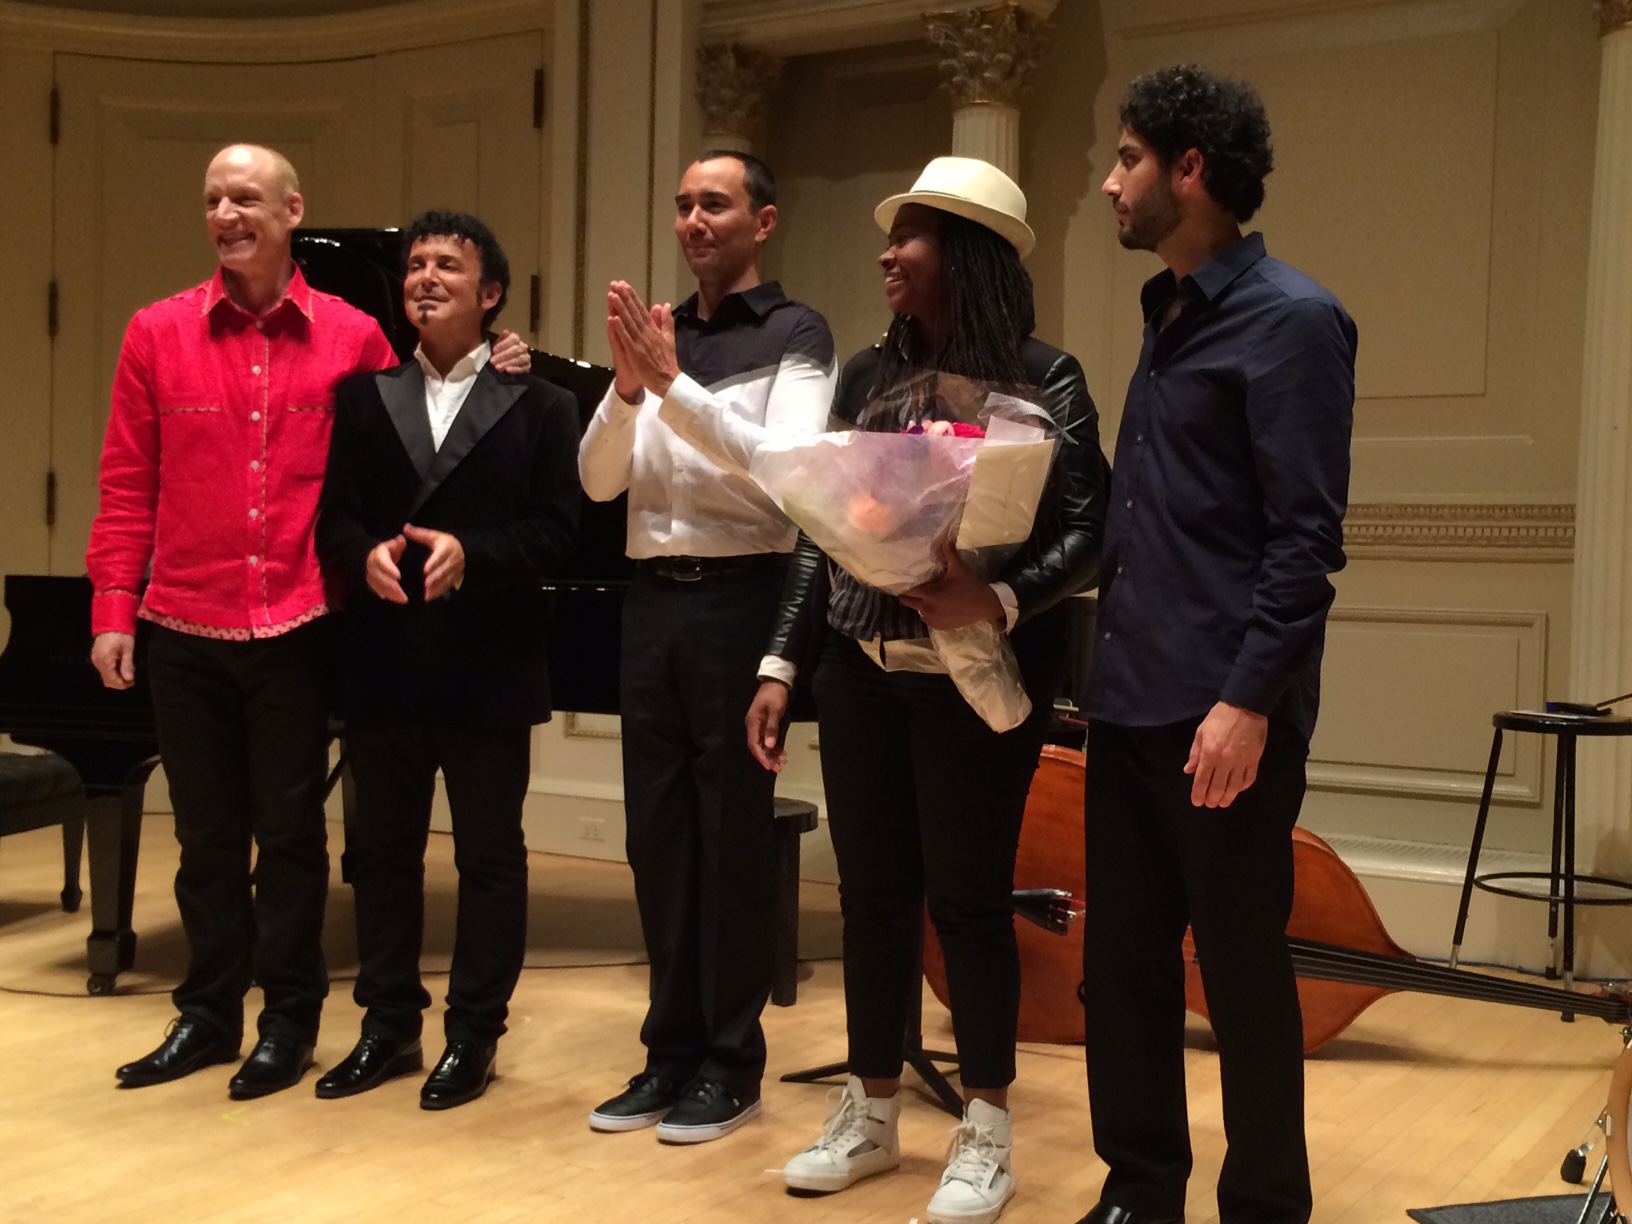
x=919, y=1059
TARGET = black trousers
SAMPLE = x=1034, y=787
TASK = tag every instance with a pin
x=486, y=773
x=243, y=730
x=923, y=799
x=1156, y=863
x=699, y=816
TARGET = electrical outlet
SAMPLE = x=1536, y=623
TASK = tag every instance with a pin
x=591, y=828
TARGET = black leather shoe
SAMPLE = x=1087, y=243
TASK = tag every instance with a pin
x=188, y=1046
x=372, y=1061
x=463, y=1075
x=644, y=1103
x=274, y=1064
x=1110, y=1213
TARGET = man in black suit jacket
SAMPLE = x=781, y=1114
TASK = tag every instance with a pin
x=452, y=491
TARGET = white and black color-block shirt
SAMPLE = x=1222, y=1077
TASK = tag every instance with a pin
x=760, y=366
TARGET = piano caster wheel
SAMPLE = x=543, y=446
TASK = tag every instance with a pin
x=1574, y=1167
x=100, y=984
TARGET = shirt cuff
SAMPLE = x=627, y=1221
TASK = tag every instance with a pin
x=114, y=612
x=1011, y=605
x=1249, y=690
x=773, y=667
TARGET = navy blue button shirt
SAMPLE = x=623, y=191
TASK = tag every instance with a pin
x=1227, y=498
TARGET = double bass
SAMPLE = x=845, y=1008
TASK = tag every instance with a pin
x=1341, y=952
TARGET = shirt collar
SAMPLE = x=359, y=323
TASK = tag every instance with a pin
x=298, y=294
x=1209, y=280
x=467, y=367
x=759, y=301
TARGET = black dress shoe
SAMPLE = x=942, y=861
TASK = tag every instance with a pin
x=274, y=1064
x=371, y=1062
x=1110, y=1213
x=189, y=1045
x=463, y=1075
x=644, y=1102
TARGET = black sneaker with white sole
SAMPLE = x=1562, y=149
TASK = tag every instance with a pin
x=707, y=1109
x=643, y=1103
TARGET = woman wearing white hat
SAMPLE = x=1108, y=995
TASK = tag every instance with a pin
x=923, y=798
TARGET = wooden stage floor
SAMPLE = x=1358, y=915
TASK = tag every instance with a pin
x=1423, y=1101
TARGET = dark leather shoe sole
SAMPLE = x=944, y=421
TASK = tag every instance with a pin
x=1110, y=1213
x=133, y=1075
x=449, y=1100
x=248, y=1089
x=329, y=1088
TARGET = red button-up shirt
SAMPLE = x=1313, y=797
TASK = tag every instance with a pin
x=214, y=458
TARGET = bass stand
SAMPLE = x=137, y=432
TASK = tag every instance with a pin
x=919, y=1059
x=1053, y=909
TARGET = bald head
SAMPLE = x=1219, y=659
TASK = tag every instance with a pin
x=265, y=163
x=252, y=204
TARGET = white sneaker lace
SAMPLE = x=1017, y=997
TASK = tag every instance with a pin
x=844, y=1124
x=972, y=1156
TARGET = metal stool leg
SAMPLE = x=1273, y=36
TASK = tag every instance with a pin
x=1473, y=850
x=1567, y=748
x=1561, y=792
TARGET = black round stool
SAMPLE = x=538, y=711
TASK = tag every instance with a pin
x=1561, y=879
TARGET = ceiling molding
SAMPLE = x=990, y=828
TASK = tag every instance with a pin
x=334, y=36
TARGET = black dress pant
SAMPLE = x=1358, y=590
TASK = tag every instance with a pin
x=1155, y=863
x=699, y=815
x=923, y=799
x=486, y=774
x=243, y=730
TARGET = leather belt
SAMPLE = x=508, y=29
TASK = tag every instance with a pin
x=695, y=569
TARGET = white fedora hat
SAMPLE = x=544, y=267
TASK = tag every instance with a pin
x=970, y=188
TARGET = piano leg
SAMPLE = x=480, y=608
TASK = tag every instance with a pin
x=73, y=842
x=115, y=837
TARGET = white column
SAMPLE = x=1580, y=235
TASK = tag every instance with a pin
x=1601, y=623
x=987, y=55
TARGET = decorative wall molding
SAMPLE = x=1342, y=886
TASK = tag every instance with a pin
x=1441, y=531
x=1612, y=15
x=987, y=53
x=1341, y=759
x=802, y=27
x=589, y=726
x=268, y=40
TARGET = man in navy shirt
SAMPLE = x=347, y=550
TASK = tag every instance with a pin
x=1226, y=513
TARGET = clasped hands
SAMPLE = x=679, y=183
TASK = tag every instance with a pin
x=444, y=568
x=642, y=340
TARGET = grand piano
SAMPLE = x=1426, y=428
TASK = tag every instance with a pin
x=51, y=697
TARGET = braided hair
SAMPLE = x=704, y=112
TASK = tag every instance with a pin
x=986, y=304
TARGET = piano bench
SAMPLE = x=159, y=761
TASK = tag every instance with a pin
x=38, y=790
x=793, y=818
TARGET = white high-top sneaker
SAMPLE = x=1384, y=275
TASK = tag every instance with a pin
x=858, y=1141
x=977, y=1182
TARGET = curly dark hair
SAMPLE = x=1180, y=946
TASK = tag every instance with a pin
x=987, y=301
x=495, y=264
x=1185, y=107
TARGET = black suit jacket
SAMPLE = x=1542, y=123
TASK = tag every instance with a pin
x=505, y=483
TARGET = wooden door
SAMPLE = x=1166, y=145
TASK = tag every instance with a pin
x=472, y=139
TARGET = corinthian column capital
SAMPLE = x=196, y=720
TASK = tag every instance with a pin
x=733, y=86
x=988, y=53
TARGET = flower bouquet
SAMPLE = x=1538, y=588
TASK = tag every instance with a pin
x=943, y=458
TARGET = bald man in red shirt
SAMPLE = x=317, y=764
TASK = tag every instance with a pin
x=211, y=469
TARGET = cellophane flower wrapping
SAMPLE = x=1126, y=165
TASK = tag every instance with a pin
x=881, y=504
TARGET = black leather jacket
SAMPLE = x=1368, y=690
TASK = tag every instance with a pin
x=1060, y=559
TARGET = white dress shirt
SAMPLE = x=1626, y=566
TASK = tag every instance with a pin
x=682, y=503
x=445, y=396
